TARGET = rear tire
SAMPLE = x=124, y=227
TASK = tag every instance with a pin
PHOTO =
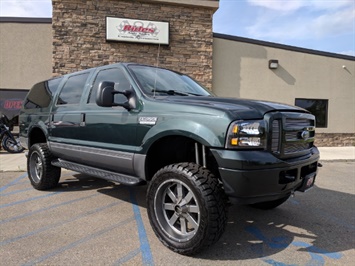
x=186, y=207
x=268, y=205
x=41, y=173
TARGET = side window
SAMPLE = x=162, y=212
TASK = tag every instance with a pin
x=41, y=94
x=72, y=90
x=113, y=75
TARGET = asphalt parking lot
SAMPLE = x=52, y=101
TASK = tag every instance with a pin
x=88, y=221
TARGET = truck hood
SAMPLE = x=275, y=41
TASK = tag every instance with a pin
x=236, y=108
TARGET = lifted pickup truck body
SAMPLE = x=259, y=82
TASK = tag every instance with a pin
x=133, y=124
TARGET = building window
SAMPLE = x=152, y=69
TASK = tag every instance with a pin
x=319, y=108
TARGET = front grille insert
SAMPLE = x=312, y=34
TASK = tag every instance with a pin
x=292, y=134
x=275, y=136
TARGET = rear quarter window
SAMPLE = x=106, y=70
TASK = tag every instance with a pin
x=41, y=94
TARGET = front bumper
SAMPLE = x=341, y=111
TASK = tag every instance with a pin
x=258, y=176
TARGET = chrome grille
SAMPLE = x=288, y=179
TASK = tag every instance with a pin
x=291, y=122
x=295, y=147
x=275, y=137
x=292, y=134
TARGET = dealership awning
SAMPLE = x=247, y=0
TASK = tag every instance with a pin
x=11, y=101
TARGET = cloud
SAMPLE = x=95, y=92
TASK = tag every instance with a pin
x=278, y=5
x=303, y=20
x=350, y=52
x=294, y=5
x=26, y=8
x=336, y=23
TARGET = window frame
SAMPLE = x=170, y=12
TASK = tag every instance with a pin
x=62, y=87
x=326, y=118
x=95, y=76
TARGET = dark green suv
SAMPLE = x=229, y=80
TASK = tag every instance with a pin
x=137, y=124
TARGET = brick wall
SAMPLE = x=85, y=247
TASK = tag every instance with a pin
x=79, y=32
x=335, y=139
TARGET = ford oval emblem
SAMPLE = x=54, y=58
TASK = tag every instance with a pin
x=305, y=135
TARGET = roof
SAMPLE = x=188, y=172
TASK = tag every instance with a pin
x=282, y=46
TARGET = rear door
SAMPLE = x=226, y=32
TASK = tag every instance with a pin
x=66, y=116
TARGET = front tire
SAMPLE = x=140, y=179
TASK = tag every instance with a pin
x=186, y=207
x=42, y=174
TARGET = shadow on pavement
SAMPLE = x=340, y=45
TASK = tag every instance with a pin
x=305, y=223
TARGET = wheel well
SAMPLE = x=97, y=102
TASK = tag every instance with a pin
x=177, y=149
x=36, y=136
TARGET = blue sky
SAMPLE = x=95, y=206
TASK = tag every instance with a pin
x=325, y=25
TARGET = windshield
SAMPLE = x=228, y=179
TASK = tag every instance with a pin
x=158, y=81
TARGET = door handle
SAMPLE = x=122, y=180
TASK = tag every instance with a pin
x=82, y=120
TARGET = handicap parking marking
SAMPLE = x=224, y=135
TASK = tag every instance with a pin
x=143, y=249
x=30, y=213
x=29, y=199
x=3, y=188
x=127, y=257
x=281, y=242
x=58, y=224
x=143, y=239
x=79, y=242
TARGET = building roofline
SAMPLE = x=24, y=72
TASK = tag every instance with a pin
x=282, y=46
x=25, y=20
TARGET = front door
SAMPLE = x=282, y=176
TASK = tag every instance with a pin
x=109, y=133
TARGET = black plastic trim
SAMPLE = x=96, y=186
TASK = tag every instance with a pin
x=25, y=20
x=107, y=175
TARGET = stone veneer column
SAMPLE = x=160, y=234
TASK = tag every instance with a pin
x=79, y=32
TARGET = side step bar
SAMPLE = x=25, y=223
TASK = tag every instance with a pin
x=104, y=174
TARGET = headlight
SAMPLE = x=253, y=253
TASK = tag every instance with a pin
x=244, y=134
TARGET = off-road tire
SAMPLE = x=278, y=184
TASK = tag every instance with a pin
x=41, y=173
x=186, y=207
x=268, y=205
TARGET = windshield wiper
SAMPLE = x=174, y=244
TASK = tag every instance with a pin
x=171, y=92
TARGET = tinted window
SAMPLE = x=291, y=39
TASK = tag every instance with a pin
x=72, y=90
x=319, y=108
x=42, y=93
x=113, y=75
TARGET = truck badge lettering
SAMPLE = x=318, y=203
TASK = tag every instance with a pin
x=147, y=120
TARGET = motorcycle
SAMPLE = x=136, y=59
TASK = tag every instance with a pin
x=8, y=141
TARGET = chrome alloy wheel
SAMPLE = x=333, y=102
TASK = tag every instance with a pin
x=177, y=210
x=36, y=167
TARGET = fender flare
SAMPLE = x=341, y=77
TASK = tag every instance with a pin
x=41, y=126
x=179, y=127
